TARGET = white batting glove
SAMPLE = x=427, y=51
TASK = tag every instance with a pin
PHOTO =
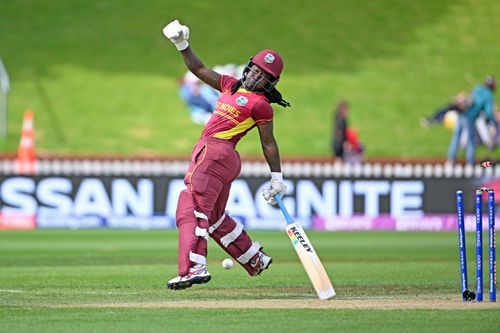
x=277, y=187
x=178, y=34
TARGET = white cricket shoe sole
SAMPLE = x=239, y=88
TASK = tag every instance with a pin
x=195, y=276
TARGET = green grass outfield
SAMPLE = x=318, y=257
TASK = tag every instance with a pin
x=113, y=281
x=102, y=79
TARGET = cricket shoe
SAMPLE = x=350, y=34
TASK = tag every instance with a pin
x=260, y=262
x=198, y=274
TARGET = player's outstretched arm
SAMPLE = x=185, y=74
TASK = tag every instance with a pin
x=178, y=34
x=269, y=146
x=271, y=153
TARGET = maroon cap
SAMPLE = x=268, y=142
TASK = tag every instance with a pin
x=269, y=61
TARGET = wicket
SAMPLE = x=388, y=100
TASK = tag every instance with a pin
x=466, y=294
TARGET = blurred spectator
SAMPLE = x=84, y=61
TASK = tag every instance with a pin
x=489, y=132
x=200, y=97
x=496, y=131
x=346, y=145
x=482, y=100
x=447, y=115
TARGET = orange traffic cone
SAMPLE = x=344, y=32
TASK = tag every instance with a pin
x=26, y=151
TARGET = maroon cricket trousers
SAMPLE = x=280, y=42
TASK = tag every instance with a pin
x=214, y=165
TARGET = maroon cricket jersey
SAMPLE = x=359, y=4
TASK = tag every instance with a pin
x=235, y=115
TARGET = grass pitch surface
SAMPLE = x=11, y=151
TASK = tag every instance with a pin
x=114, y=280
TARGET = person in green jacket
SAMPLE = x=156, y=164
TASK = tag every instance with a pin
x=482, y=101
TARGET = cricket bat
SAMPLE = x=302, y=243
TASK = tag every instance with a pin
x=307, y=255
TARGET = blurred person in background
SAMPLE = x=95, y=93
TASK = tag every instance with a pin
x=215, y=163
x=447, y=114
x=495, y=128
x=488, y=131
x=199, y=97
x=448, y=117
x=482, y=100
x=345, y=142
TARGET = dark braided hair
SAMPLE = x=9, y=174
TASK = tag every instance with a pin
x=274, y=96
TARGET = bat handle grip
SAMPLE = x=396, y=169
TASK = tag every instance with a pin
x=288, y=218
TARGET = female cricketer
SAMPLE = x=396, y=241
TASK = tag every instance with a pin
x=215, y=163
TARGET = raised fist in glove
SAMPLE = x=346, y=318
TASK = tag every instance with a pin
x=178, y=34
x=277, y=187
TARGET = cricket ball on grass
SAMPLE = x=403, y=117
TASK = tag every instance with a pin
x=227, y=263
